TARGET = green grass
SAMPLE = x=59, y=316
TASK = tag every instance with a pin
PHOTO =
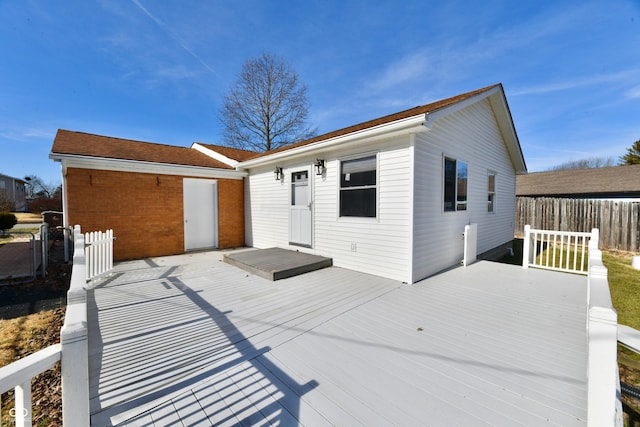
x=624, y=283
x=561, y=258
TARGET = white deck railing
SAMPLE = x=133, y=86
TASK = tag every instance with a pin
x=578, y=253
x=604, y=406
x=99, y=251
x=18, y=376
x=565, y=251
x=73, y=352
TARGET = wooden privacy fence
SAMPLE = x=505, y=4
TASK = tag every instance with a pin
x=617, y=220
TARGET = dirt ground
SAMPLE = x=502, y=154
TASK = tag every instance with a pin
x=44, y=293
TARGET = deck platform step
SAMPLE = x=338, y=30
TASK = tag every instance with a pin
x=277, y=263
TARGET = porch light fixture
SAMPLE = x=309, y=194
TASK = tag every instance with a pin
x=278, y=173
x=320, y=166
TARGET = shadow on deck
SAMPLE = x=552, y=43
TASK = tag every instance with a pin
x=227, y=379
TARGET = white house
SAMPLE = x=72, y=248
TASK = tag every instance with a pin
x=392, y=196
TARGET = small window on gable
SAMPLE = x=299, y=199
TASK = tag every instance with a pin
x=455, y=185
x=358, y=181
x=491, y=185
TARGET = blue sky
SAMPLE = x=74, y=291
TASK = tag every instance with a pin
x=157, y=71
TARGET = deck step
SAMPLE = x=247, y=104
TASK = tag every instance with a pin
x=277, y=263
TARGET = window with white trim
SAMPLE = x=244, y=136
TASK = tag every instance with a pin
x=491, y=190
x=455, y=185
x=358, y=186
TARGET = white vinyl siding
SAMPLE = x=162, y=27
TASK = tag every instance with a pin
x=266, y=209
x=471, y=134
x=379, y=245
x=411, y=236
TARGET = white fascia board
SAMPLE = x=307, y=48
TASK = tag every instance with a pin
x=450, y=109
x=100, y=163
x=507, y=129
x=400, y=127
x=215, y=155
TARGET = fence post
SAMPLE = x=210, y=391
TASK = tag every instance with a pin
x=526, y=247
x=44, y=249
x=74, y=341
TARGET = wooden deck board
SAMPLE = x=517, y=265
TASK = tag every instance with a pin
x=204, y=342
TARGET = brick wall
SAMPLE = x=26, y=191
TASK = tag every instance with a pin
x=145, y=211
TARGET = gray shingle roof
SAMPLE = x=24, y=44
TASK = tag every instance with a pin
x=615, y=181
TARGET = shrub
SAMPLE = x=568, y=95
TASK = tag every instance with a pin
x=45, y=204
x=7, y=220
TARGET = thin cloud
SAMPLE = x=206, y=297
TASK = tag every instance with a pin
x=579, y=82
x=26, y=134
x=173, y=35
x=633, y=93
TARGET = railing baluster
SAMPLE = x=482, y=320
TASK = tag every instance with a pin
x=99, y=252
x=558, y=241
x=22, y=393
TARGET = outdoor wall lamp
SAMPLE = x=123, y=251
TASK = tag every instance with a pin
x=278, y=173
x=320, y=166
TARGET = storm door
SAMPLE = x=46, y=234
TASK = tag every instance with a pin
x=300, y=210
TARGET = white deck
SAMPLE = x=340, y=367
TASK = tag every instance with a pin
x=192, y=340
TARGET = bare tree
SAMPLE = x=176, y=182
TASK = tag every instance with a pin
x=633, y=155
x=37, y=188
x=267, y=107
x=590, y=163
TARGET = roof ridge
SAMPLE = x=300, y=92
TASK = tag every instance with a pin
x=388, y=118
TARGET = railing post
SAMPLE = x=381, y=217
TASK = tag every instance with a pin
x=594, y=241
x=74, y=341
x=526, y=247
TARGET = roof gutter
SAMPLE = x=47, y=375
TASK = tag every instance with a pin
x=121, y=165
x=409, y=125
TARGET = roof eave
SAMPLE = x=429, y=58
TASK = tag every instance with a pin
x=415, y=124
x=501, y=110
x=122, y=165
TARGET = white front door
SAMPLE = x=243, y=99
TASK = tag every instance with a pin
x=200, y=198
x=300, y=213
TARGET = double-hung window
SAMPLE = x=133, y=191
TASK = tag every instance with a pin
x=491, y=186
x=358, y=182
x=455, y=185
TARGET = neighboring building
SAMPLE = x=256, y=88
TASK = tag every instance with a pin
x=15, y=190
x=158, y=199
x=390, y=196
x=615, y=182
